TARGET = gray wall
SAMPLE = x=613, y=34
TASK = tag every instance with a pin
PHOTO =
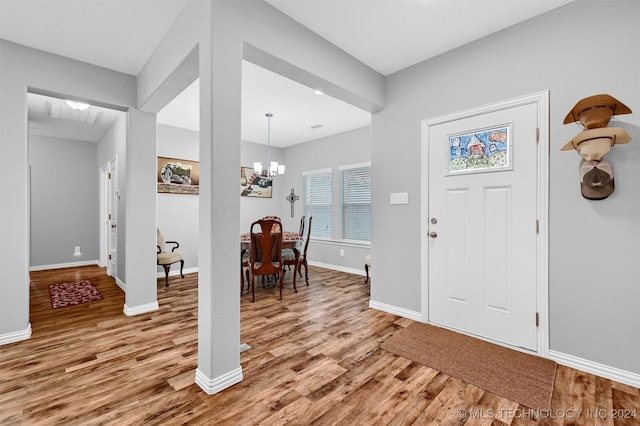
x=177, y=214
x=64, y=200
x=338, y=150
x=585, y=48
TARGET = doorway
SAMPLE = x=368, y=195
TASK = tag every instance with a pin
x=484, y=222
x=65, y=147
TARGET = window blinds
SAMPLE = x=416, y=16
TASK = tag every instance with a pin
x=356, y=203
x=318, y=195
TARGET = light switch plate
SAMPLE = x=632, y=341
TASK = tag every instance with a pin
x=399, y=198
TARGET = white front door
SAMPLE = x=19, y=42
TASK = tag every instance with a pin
x=482, y=225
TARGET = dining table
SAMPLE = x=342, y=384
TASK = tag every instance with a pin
x=290, y=240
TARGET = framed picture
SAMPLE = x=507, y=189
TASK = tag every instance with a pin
x=481, y=150
x=178, y=176
x=254, y=185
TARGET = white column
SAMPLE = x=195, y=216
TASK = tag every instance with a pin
x=219, y=249
x=14, y=209
x=140, y=213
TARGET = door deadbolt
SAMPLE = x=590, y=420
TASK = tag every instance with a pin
x=434, y=220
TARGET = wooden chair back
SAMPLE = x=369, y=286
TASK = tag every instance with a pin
x=303, y=258
x=266, y=250
x=306, y=243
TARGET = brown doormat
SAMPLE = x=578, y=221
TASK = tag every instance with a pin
x=523, y=378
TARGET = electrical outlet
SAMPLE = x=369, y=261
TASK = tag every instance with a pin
x=341, y=252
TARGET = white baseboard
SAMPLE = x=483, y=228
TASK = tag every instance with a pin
x=121, y=284
x=612, y=373
x=395, y=310
x=64, y=265
x=174, y=272
x=140, y=309
x=339, y=268
x=15, y=336
x=212, y=386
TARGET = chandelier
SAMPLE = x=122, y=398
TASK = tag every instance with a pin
x=272, y=168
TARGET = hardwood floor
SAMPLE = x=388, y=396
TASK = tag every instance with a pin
x=315, y=359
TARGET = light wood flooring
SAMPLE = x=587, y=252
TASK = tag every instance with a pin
x=315, y=359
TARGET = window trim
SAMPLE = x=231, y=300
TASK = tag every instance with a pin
x=354, y=166
x=318, y=171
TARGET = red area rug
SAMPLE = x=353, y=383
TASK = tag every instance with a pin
x=67, y=294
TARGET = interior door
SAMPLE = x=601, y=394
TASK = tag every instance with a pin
x=482, y=239
x=112, y=219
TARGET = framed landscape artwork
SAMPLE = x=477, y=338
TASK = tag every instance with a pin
x=254, y=185
x=178, y=176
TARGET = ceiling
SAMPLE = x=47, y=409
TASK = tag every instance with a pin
x=386, y=35
x=389, y=35
x=52, y=117
x=299, y=114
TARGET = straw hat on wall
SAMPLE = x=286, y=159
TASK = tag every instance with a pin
x=593, y=144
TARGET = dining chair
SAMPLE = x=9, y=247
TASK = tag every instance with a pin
x=167, y=258
x=303, y=256
x=367, y=266
x=266, y=251
x=288, y=256
x=245, y=262
x=245, y=266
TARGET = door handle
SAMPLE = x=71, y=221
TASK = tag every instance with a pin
x=433, y=234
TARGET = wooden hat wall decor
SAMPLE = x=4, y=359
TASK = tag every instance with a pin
x=596, y=139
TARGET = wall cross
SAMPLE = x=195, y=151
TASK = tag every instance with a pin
x=292, y=198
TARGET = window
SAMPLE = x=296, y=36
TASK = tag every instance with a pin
x=318, y=194
x=356, y=202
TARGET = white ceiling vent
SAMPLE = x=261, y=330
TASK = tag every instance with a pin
x=63, y=111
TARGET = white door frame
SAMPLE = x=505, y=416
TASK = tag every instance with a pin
x=104, y=169
x=105, y=230
x=541, y=99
